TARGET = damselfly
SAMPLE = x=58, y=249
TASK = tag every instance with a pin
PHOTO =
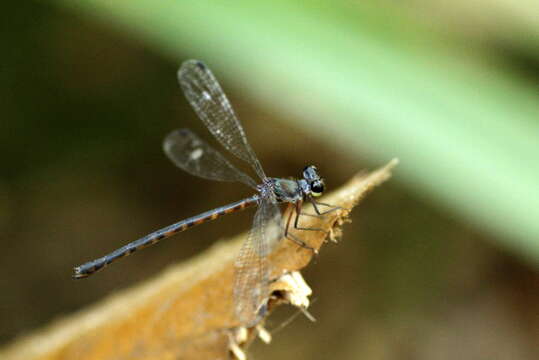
x=193, y=155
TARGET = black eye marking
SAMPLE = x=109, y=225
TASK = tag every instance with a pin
x=317, y=187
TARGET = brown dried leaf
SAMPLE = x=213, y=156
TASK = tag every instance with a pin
x=187, y=311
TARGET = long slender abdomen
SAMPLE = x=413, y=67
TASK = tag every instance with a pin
x=94, y=266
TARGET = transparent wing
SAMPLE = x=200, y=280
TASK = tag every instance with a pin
x=193, y=155
x=212, y=106
x=252, y=273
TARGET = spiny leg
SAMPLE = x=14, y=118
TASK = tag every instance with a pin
x=321, y=213
x=299, y=213
x=296, y=220
x=318, y=213
x=291, y=236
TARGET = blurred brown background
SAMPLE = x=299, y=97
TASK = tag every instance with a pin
x=84, y=109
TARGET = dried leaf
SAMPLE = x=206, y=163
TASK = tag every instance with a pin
x=187, y=311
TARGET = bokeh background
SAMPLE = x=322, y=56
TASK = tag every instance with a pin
x=439, y=263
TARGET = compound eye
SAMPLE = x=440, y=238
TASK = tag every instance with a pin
x=317, y=188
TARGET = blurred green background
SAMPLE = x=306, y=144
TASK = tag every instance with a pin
x=439, y=263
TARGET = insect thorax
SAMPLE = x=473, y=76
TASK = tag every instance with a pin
x=286, y=190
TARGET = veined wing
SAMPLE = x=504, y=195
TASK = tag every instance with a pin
x=212, y=106
x=252, y=273
x=195, y=156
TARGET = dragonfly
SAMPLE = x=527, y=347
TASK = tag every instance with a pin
x=190, y=153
